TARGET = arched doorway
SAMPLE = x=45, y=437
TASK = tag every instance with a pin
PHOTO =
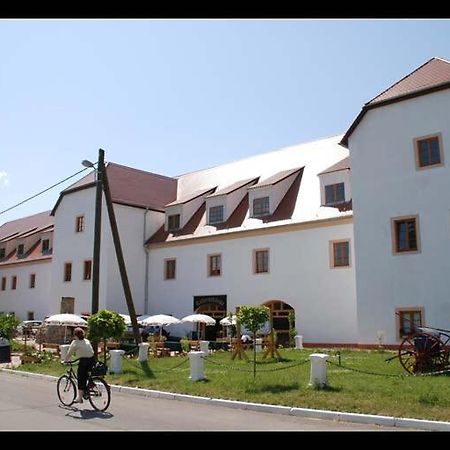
x=216, y=311
x=280, y=316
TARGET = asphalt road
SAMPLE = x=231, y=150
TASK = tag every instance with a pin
x=32, y=404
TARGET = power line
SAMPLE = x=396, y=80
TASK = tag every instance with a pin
x=42, y=192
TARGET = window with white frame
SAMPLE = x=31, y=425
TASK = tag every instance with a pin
x=215, y=214
x=261, y=207
x=173, y=222
x=334, y=193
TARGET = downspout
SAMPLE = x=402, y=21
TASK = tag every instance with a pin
x=146, y=264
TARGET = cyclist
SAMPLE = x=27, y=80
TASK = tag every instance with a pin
x=81, y=348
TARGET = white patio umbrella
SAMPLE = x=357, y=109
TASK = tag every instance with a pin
x=66, y=320
x=199, y=318
x=227, y=321
x=159, y=320
x=127, y=318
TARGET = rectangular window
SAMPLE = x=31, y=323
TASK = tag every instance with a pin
x=334, y=193
x=79, y=224
x=87, y=270
x=341, y=254
x=20, y=249
x=428, y=151
x=3, y=283
x=261, y=207
x=215, y=265
x=169, y=269
x=14, y=282
x=30, y=315
x=45, y=245
x=32, y=280
x=216, y=214
x=409, y=321
x=174, y=222
x=2, y=252
x=405, y=234
x=68, y=271
x=261, y=261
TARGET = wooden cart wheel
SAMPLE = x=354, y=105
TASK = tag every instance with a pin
x=422, y=353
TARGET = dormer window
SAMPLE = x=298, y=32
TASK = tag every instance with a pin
x=2, y=252
x=261, y=207
x=45, y=245
x=215, y=214
x=334, y=194
x=173, y=222
x=20, y=250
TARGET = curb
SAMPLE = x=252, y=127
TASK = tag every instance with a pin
x=386, y=421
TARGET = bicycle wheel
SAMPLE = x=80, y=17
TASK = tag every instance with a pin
x=99, y=393
x=66, y=390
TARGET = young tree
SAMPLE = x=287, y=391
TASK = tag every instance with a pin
x=8, y=326
x=253, y=318
x=106, y=325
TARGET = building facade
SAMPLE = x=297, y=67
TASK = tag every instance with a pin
x=349, y=234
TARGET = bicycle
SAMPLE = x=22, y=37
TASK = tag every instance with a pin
x=98, y=391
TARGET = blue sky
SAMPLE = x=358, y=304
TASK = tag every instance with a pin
x=174, y=96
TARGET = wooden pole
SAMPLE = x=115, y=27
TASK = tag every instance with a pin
x=238, y=349
x=120, y=259
x=271, y=344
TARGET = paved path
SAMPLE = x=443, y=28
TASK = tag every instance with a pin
x=32, y=404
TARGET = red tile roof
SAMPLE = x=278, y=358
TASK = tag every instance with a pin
x=432, y=76
x=25, y=225
x=131, y=187
x=434, y=72
x=344, y=164
x=33, y=254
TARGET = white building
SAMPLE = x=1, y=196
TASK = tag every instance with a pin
x=400, y=153
x=278, y=229
x=26, y=265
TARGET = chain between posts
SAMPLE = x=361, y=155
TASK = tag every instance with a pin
x=185, y=360
x=207, y=359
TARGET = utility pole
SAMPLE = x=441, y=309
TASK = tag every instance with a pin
x=97, y=232
x=120, y=259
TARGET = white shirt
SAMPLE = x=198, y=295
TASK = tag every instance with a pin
x=81, y=348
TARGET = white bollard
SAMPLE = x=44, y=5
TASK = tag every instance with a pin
x=143, y=351
x=63, y=350
x=318, y=369
x=116, y=361
x=204, y=347
x=196, y=362
x=299, y=342
x=258, y=344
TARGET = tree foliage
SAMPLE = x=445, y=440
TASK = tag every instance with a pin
x=8, y=326
x=106, y=325
x=253, y=318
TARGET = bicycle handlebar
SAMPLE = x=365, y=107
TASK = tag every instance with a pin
x=70, y=362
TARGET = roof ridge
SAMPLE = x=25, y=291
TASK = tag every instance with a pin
x=402, y=79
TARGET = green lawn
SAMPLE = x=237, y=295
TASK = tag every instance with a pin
x=350, y=391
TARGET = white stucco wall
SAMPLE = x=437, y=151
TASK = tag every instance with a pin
x=76, y=247
x=300, y=274
x=386, y=184
x=24, y=299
